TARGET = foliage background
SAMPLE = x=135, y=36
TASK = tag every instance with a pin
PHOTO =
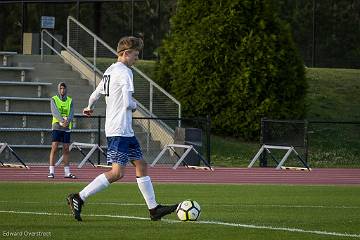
x=233, y=60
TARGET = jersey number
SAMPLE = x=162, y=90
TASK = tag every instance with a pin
x=106, y=79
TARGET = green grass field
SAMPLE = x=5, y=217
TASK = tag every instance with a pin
x=228, y=212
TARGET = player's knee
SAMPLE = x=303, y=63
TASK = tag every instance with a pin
x=116, y=175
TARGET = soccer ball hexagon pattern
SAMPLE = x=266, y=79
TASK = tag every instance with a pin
x=188, y=210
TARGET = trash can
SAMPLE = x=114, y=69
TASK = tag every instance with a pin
x=189, y=136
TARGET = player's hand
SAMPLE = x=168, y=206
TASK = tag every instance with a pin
x=87, y=112
x=64, y=123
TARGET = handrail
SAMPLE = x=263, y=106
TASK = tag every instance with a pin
x=78, y=55
x=97, y=40
x=54, y=50
x=88, y=31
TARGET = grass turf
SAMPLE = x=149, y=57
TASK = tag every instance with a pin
x=228, y=212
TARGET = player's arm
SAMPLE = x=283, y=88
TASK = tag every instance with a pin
x=55, y=112
x=129, y=101
x=127, y=91
x=71, y=114
x=94, y=97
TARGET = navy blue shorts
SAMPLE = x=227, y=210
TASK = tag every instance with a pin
x=60, y=136
x=121, y=150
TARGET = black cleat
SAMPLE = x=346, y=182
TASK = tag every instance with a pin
x=160, y=211
x=75, y=203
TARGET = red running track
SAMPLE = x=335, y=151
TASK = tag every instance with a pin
x=323, y=176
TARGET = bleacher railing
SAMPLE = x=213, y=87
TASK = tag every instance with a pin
x=98, y=55
x=29, y=133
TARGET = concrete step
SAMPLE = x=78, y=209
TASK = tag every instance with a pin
x=36, y=59
x=14, y=76
x=14, y=72
x=8, y=120
x=31, y=120
x=43, y=120
x=46, y=66
x=24, y=89
x=6, y=58
x=23, y=104
x=50, y=73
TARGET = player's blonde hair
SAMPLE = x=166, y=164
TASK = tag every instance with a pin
x=129, y=43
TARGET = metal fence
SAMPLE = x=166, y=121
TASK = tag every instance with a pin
x=334, y=144
x=319, y=143
x=30, y=136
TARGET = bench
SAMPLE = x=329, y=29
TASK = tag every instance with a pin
x=22, y=69
x=39, y=85
x=21, y=99
x=6, y=55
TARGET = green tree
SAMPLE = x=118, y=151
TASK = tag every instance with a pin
x=234, y=60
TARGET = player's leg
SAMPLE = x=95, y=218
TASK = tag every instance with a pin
x=76, y=200
x=118, y=160
x=66, y=153
x=54, y=147
x=102, y=181
x=145, y=185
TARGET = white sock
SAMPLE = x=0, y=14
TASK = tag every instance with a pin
x=147, y=190
x=67, y=170
x=98, y=184
x=52, y=169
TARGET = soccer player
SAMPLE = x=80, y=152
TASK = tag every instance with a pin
x=117, y=86
x=62, y=110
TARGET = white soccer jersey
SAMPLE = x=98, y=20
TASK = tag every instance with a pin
x=117, y=86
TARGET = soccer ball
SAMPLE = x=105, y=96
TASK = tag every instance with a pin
x=188, y=210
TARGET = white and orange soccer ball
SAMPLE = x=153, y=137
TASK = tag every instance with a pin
x=188, y=210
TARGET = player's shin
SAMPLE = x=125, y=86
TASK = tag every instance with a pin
x=147, y=190
x=98, y=184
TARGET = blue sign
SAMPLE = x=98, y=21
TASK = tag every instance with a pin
x=47, y=22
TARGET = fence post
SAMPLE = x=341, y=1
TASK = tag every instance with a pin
x=263, y=157
x=99, y=137
x=208, y=132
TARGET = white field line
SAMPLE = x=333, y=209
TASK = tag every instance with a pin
x=285, y=229
x=222, y=205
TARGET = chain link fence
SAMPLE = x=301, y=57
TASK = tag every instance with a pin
x=319, y=143
x=334, y=144
x=30, y=136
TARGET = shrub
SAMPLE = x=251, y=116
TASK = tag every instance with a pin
x=234, y=60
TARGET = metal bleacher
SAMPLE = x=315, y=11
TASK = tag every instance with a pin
x=28, y=81
x=26, y=84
